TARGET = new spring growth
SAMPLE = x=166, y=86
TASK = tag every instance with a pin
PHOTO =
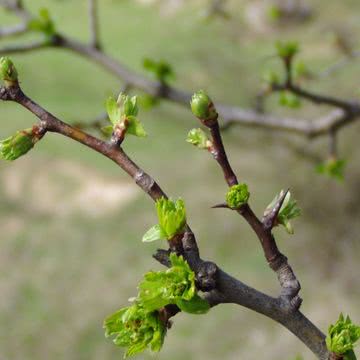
x=288, y=99
x=43, y=23
x=237, y=196
x=136, y=329
x=123, y=116
x=342, y=337
x=140, y=326
x=287, y=50
x=334, y=168
x=8, y=72
x=198, y=138
x=18, y=145
x=289, y=210
x=161, y=69
x=203, y=108
x=172, y=220
x=175, y=285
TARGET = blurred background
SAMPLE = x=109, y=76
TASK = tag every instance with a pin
x=71, y=222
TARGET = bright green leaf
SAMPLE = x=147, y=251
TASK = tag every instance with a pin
x=153, y=234
x=171, y=215
x=289, y=99
x=198, y=138
x=113, y=110
x=135, y=127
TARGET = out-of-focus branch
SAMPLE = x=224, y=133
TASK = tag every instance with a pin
x=24, y=48
x=13, y=30
x=231, y=115
x=94, y=24
x=17, y=7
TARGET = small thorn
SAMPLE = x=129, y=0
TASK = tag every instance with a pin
x=221, y=206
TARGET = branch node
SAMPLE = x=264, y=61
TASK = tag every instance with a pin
x=206, y=276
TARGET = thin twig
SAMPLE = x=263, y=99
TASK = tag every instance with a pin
x=13, y=30
x=290, y=286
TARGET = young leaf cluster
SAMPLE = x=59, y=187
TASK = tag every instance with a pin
x=287, y=50
x=237, y=196
x=123, y=116
x=172, y=220
x=43, y=23
x=140, y=326
x=342, y=337
x=198, y=138
x=173, y=286
x=161, y=69
x=136, y=329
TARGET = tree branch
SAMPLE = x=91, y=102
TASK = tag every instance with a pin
x=227, y=289
x=231, y=115
x=290, y=286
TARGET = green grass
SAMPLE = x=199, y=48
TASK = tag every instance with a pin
x=63, y=271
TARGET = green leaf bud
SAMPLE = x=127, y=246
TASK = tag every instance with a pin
x=18, y=145
x=342, y=337
x=334, y=168
x=136, y=329
x=289, y=99
x=198, y=138
x=8, y=72
x=237, y=196
x=287, y=50
x=202, y=106
x=128, y=106
x=122, y=114
x=43, y=23
x=173, y=286
x=162, y=70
